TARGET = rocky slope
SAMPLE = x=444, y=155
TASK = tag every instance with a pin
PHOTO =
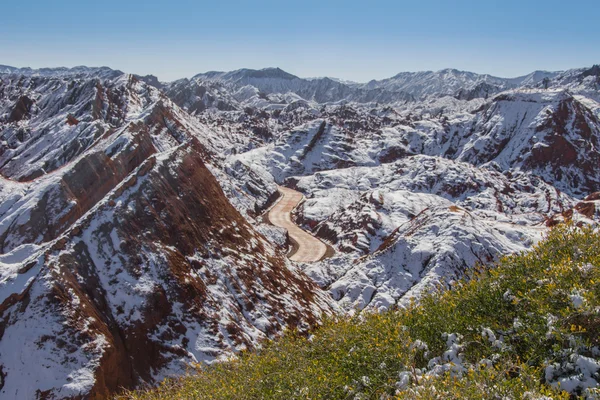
x=123, y=261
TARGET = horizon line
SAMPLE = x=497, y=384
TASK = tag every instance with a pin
x=297, y=76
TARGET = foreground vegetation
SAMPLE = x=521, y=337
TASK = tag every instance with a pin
x=528, y=328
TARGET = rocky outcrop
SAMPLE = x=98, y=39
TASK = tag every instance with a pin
x=71, y=120
x=21, y=109
x=62, y=199
x=70, y=116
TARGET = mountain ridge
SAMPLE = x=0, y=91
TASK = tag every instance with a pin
x=140, y=204
x=271, y=72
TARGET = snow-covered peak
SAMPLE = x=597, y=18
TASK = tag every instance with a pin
x=463, y=84
x=443, y=82
x=320, y=90
x=535, y=77
x=246, y=73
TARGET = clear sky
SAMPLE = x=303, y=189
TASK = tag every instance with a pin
x=355, y=40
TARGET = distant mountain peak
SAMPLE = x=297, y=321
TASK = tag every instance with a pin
x=270, y=73
x=61, y=71
x=247, y=73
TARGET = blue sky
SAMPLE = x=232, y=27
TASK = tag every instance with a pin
x=356, y=40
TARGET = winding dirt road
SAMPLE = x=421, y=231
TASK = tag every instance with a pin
x=307, y=248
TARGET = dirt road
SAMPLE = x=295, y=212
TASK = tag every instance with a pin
x=307, y=248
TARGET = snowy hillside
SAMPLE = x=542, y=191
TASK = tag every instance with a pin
x=133, y=241
x=470, y=180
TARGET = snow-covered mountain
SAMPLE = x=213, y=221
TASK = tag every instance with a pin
x=123, y=261
x=401, y=88
x=81, y=71
x=320, y=90
x=453, y=82
x=132, y=237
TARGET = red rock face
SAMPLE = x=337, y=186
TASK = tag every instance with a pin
x=71, y=120
x=593, y=196
x=21, y=109
x=586, y=208
x=571, y=143
x=552, y=134
x=558, y=152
